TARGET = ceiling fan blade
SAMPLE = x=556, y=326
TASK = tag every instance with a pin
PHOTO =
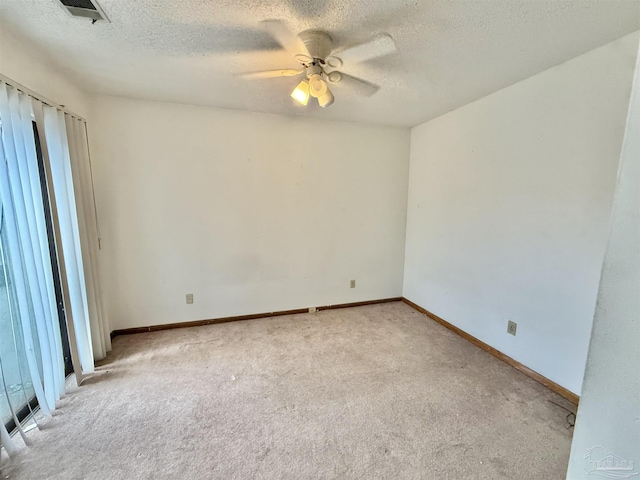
x=285, y=37
x=358, y=85
x=380, y=46
x=271, y=73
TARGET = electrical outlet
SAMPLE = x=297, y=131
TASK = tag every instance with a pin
x=189, y=298
x=353, y=284
x=511, y=327
x=312, y=309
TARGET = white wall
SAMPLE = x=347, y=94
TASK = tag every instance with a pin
x=509, y=205
x=23, y=63
x=609, y=413
x=251, y=213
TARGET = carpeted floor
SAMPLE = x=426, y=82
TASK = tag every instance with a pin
x=375, y=392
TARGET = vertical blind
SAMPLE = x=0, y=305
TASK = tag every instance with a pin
x=31, y=343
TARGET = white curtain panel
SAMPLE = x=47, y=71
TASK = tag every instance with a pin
x=89, y=233
x=27, y=253
x=6, y=441
x=68, y=155
x=62, y=187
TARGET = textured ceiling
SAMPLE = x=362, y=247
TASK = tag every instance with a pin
x=450, y=52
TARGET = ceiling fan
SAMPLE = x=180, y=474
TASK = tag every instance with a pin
x=315, y=51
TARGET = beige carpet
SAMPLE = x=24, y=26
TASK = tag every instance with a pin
x=376, y=392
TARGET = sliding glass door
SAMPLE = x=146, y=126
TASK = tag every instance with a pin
x=15, y=372
x=55, y=270
x=18, y=398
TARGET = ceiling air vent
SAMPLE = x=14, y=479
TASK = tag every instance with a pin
x=84, y=8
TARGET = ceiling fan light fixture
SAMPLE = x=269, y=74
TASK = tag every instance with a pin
x=326, y=99
x=317, y=86
x=301, y=93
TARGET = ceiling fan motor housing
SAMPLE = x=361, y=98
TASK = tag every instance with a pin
x=319, y=44
x=314, y=69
